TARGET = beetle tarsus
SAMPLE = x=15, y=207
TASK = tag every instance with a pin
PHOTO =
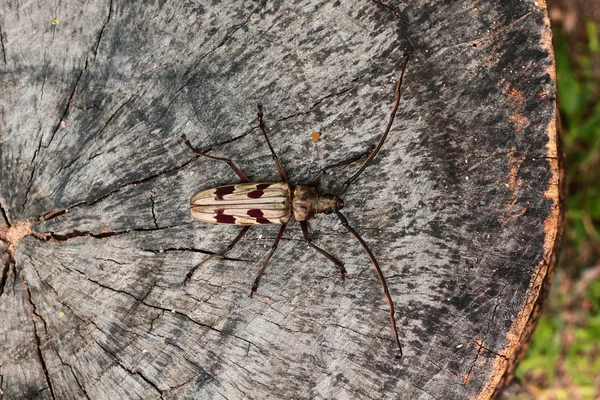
x=188, y=276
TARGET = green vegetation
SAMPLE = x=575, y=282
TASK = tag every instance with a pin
x=563, y=360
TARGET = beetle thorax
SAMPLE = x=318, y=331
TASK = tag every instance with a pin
x=307, y=202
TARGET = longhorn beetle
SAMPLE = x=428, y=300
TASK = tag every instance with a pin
x=248, y=204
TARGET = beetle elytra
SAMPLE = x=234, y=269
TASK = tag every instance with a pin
x=249, y=204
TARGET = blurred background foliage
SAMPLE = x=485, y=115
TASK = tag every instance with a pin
x=563, y=359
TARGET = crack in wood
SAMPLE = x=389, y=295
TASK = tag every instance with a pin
x=19, y=230
x=357, y=332
x=226, y=38
x=4, y=215
x=51, y=214
x=51, y=236
x=198, y=367
x=193, y=250
x=169, y=310
x=265, y=385
x=55, y=213
x=2, y=45
x=5, y=272
x=480, y=347
x=11, y=236
x=110, y=6
x=58, y=126
x=79, y=384
x=38, y=340
x=129, y=370
x=108, y=121
x=83, y=321
x=29, y=183
x=153, y=212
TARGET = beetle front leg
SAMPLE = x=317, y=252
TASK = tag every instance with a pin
x=188, y=276
x=264, y=267
x=331, y=257
x=314, y=181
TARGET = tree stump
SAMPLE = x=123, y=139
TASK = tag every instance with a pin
x=460, y=206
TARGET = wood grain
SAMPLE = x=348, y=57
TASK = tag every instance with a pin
x=461, y=206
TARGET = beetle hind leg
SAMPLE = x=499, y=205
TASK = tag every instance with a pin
x=266, y=263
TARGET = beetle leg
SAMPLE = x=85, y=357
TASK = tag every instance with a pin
x=384, y=286
x=228, y=161
x=314, y=181
x=264, y=267
x=261, y=125
x=331, y=257
x=188, y=276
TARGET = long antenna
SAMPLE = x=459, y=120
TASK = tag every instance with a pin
x=384, y=286
x=349, y=181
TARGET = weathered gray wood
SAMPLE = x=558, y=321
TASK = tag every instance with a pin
x=460, y=207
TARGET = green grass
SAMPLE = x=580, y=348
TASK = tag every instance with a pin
x=563, y=360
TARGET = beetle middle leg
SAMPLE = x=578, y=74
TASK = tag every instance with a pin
x=331, y=257
x=221, y=253
x=264, y=267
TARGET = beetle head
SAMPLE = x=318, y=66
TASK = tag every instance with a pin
x=334, y=203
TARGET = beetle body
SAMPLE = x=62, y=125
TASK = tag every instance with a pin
x=260, y=204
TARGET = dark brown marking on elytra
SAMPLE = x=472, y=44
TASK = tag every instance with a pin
x=255, y=213
x=224, y=218
x=259, y=191
x=224, y=190
x=256, y=194
x=259, y=215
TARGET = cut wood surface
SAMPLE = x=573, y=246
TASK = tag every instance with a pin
x=460, y=206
